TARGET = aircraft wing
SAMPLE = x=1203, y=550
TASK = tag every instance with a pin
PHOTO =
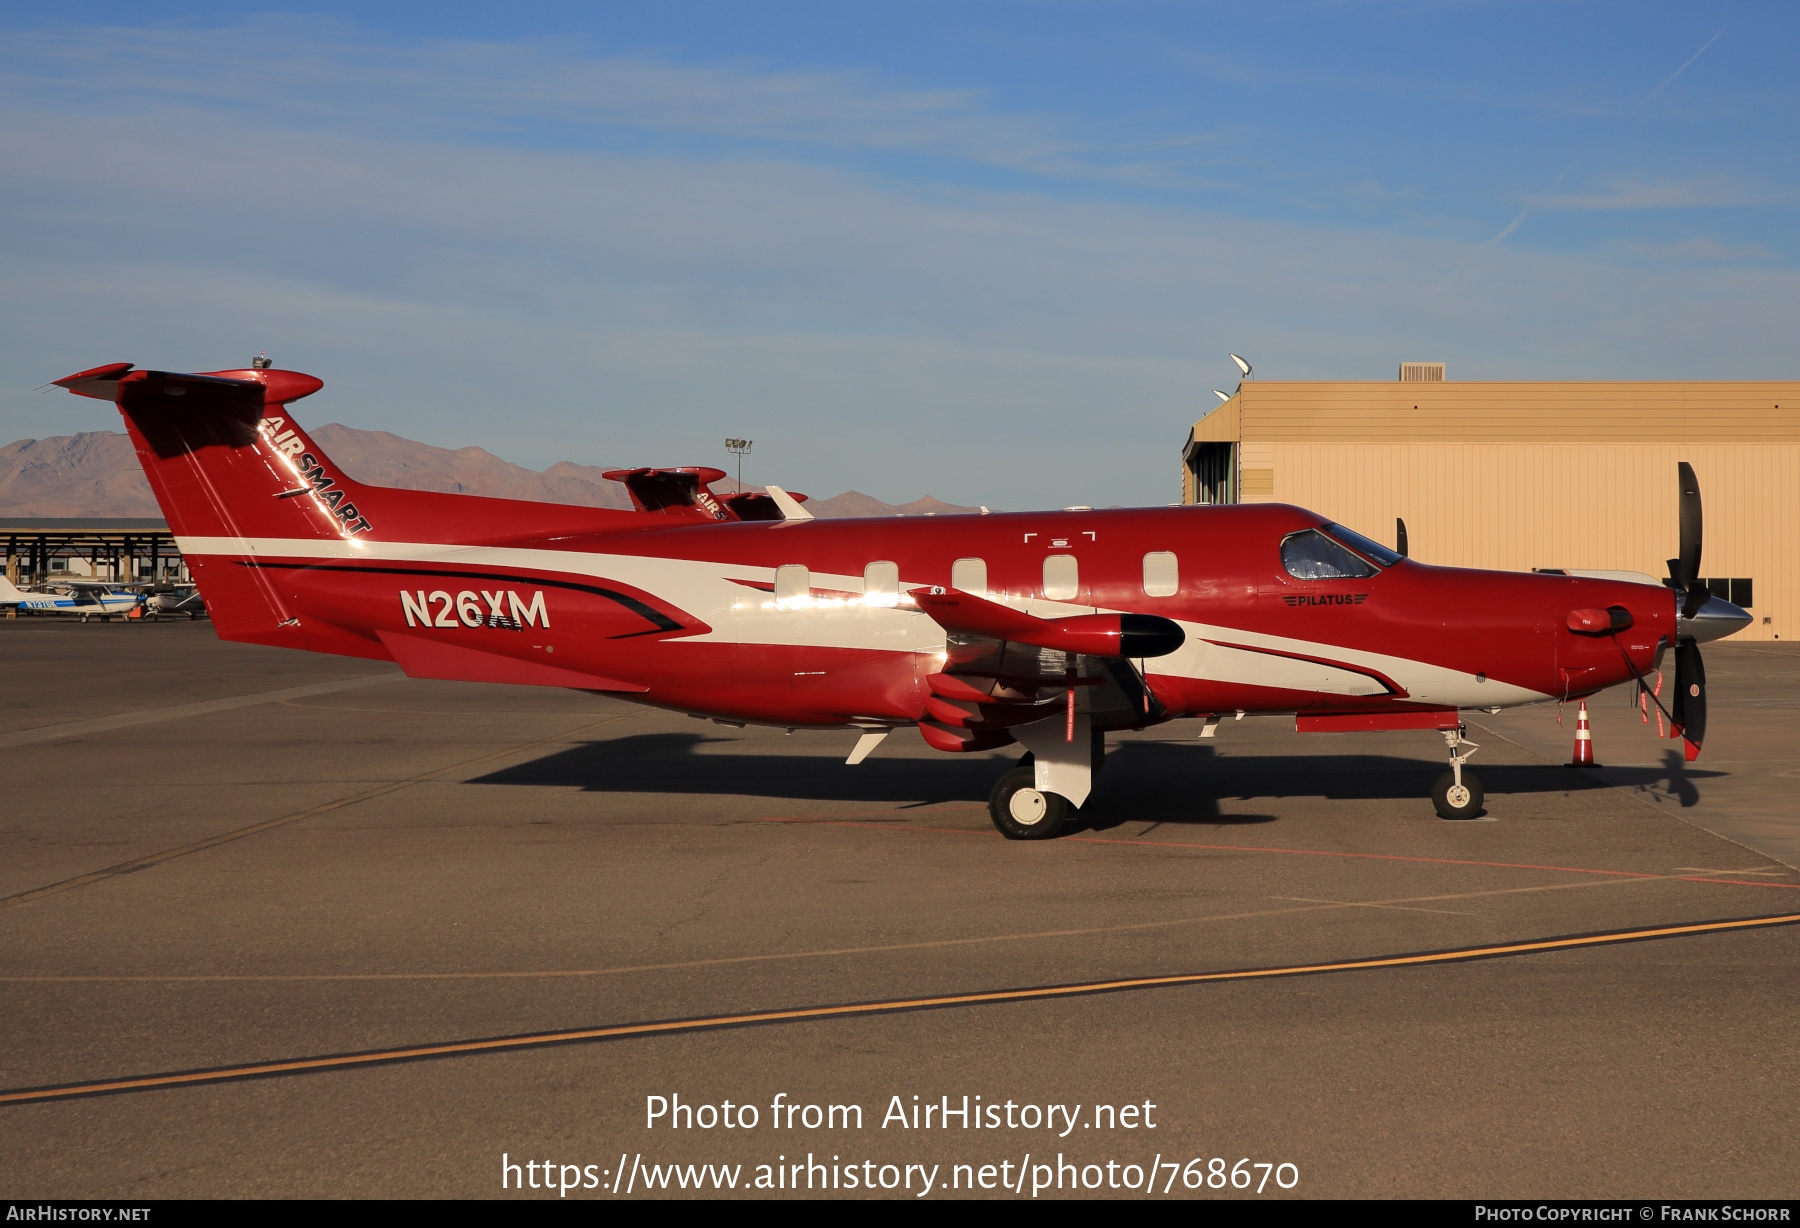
x=1005, y=668
x=1103, y=635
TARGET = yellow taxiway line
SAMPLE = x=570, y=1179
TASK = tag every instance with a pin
x=891, y=1006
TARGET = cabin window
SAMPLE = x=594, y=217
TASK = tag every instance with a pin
x=969, y=576
x=1313, y=556
x=1162, y=578
x=793, y=585
x=1062, y=577
x=881, y=584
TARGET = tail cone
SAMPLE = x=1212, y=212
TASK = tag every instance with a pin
x=1584, y=741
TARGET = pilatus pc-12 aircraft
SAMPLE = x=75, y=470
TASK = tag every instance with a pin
x=1046, y=629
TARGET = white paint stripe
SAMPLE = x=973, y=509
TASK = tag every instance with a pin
x=103, y=724
x=705, y=589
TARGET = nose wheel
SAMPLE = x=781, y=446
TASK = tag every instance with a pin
x=1458, y=794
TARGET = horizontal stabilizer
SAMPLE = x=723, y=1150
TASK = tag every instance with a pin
x=674, y=492
x=749, y=505
x=255, y=386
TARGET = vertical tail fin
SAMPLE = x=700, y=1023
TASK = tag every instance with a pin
x=235, y=477
x=255, y=503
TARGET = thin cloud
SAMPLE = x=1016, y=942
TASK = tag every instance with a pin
x=312, y=71
x=1700, y=248
x=1525, y=212
x=1638, y=198
x=1709, y=193
x=1659, y=89
x=558, y=304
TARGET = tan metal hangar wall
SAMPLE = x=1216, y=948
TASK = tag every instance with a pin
x=1516, y=476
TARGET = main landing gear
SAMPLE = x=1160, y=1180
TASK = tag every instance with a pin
x=1457, y=794
x=1035, y=799
x=1022, y=811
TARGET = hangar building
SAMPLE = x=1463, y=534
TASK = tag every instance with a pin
x=1517, y=476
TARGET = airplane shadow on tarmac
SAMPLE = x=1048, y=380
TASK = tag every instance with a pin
x=1142, y=781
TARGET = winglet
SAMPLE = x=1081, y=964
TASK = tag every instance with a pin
x=790, y=507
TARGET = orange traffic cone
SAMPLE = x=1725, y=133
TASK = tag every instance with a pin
x=1584, y=741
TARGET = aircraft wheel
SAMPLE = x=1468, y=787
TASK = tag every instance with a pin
x=1454, y=802
x=1021, y=812
x=84, y=618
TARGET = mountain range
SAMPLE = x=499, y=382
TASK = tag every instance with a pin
x=96, y=473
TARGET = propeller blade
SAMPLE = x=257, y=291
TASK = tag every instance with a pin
x=1692, y=533
x=1690, y=697
x=1400, y=538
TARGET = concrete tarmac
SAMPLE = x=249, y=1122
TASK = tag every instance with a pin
x=388, y=865
x=1746, y=784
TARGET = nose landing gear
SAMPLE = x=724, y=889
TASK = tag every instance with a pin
x=1458, y=794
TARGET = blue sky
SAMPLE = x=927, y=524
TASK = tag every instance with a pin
x=993, y=251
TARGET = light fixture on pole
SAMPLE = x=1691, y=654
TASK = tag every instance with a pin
x=1223, y=396
x=1242, y=365
x=739, y=448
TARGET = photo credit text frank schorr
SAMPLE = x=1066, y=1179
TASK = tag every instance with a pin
x=989, y=1146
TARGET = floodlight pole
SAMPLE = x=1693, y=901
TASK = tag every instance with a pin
x=739, y=448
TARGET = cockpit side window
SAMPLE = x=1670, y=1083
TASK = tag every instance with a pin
x=1374, y=551
x=1310, y=555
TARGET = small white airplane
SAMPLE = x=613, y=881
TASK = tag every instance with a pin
x=84, y=599
x=168, y=600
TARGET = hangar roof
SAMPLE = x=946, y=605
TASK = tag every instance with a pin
x=1476, y=411
x=83, y=524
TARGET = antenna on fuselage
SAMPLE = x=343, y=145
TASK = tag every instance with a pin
x=1400, y=538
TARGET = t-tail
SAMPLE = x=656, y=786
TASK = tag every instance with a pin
x=252, y=499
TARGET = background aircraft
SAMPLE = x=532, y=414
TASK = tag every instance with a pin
x=84, y=599
x=170, y=600
x=1044, y=629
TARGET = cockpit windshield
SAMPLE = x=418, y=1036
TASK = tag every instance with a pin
x=1310, y=555
x=1372, y=550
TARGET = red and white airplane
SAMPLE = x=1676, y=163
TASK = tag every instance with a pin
x=1046, y=629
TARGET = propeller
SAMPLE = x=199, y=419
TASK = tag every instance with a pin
x=1689, y=715
x=1684, y=572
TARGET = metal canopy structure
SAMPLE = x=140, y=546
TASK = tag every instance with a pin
x=116, y=549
